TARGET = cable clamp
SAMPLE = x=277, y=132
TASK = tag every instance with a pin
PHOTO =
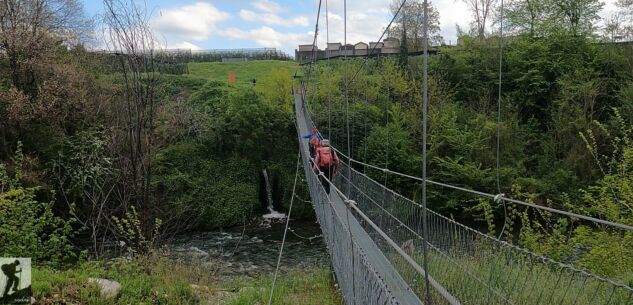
x=499, y=197
x=350, y=202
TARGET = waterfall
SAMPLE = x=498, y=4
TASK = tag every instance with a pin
x=269, y=193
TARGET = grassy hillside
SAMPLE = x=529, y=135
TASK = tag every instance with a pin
x=245, y=71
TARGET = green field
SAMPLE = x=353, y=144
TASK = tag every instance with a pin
x=245, y=71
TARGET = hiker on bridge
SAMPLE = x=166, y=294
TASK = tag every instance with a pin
x=9, y=271
x=313, y=139
x=327, y=162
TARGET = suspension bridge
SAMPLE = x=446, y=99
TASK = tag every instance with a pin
x=386, y=248
x=375, y=240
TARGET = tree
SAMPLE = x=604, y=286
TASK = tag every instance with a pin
x=546, y=17
x=31, y=33
x=403, y=59
x=30, y=28
x=527, y=16
x=577, y=16
x=128, y=34
x=615, y=27
x=626, y=7
x=410, y=20
x=481, y=10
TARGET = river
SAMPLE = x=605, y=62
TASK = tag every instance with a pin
x=253, y=251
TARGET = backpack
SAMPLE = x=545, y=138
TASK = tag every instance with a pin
x=325, y=156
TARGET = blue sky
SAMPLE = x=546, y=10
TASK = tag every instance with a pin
x=282, y=24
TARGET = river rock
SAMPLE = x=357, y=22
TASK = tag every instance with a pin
x=109, y=289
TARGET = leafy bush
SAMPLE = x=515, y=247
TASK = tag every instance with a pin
x=210, y=192
x=28, y=227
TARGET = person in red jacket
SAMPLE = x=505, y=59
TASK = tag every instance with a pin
x=327, y=162
x=313, y=141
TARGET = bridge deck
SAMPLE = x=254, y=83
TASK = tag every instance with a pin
x=396, y=285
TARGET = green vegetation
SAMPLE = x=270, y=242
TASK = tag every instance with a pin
x=245, y=71
x=28, y=227
x=310, y=287
x=565, y=134
x=157, y=280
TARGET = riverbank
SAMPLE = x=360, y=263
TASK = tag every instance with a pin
x=158, y=279
x=231, y=266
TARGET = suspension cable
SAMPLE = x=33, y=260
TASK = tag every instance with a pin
x=425, y=106
x=314, y=42
x=498, y=169
x=493, y=196
x=498, y=156
x=283, y=240
x=327, y=44
x=416, y=234
x=349, y=149
x=380, y=38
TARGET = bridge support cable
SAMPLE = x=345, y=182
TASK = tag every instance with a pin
x=327, y=46
x=499, y=195
x=425, y=109
x=349, y=150
x=371, y=52
x=283, y=240
x=461, y=257
x=493, y=196
x=454, y=243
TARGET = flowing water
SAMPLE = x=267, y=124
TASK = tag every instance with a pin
x=254, y=252
x=269, y=197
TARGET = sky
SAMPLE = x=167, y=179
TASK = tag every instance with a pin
x=281, y=24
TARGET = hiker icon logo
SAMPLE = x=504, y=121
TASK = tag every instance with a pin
x=15, y=280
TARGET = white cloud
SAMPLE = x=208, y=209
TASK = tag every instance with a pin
x=273, y=19
x=366, y=20
x=183, y=45
x=197, y=21
x=268, y=6
x=266, y=37
x=452, y=13
x=361, y=26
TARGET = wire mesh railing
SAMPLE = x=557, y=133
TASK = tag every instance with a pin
x=473, y=267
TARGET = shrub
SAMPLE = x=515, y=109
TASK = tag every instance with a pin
x=28, y=227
